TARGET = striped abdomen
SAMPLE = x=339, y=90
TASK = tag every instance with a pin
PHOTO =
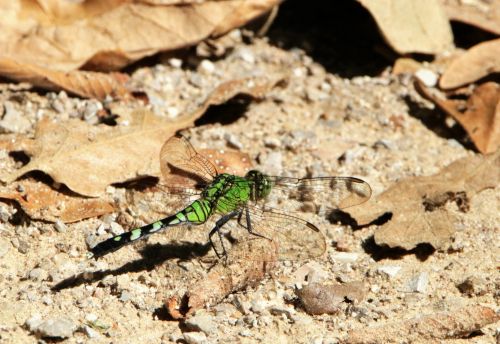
x=196, y=213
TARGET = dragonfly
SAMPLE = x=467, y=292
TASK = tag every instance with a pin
x=246, y=201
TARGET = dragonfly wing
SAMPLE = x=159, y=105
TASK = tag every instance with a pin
x=177, y=152
x=293, y=237
x=329, y=192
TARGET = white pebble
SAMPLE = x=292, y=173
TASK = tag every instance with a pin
x=428, y=77
x=207, y=67
x=195, y=337
x=389, y=270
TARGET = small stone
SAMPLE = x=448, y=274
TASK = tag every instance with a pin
x=259, y=305
x=91, y=317
x=60, y=226
x=52, y=328
x=310, y=273
x=202, y=322
x=233, y=141
x=58, y=106
x=125, y=296
x=246, y=55
x=273, y=163
x=345, y=257
x=116, y=228
x=90, y=332
x=91, y=240
x=245, y=333
x=207, y=67
x=4, y=247
x=195, y=337
x=172, y=111
x=272, y=142
x=13, y=120
x=279, y=310
x=428, y=77
x=38, y=274
x=176, y=63
x=33, y=322
x=23, y=246
x=419, y=283
x=389, y=270
x=90, y=111
x=473, y=286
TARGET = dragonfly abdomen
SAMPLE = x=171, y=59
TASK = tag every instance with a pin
x=196, y=213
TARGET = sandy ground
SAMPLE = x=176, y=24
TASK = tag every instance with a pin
x=320, y=122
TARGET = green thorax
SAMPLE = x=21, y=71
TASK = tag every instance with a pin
x=229, y=192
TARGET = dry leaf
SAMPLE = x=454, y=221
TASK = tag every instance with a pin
x=320, y=298
x=248, y=263
x=85, y=84
x=88, y=158
x=480, y=118
x=108, y=35
x=482, y=14
x=430, y=328
x=412, y=26
x=417, y=203
x=479, y=61
x=41, y=202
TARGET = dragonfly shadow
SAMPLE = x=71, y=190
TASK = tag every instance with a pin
x=377, y=252
x=339, y=216
x=152, y=256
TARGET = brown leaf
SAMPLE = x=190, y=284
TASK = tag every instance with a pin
x=417, y=203
x=85, y=84
x=479, y=61
x=430, y=328
x=41, y=202
x=412, y=26
x=481, y=118
x=482, y=14
x=109, y=35
x=320, y=298
x=88, y=158
x=248, y=263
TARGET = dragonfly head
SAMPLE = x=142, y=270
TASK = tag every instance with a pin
x=261, y=185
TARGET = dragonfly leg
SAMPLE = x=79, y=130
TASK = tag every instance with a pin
x=218, y=225
x=249, y=225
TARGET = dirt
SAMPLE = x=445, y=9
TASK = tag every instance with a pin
x=321, y=121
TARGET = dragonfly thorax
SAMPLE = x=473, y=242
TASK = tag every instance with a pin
x=259, y=183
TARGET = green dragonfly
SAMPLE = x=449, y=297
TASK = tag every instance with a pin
x=245, y=201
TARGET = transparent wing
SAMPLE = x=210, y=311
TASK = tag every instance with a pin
x=313, y=194
x=293, y=238
x=177, y=152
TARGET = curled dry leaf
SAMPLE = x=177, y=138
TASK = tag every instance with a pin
x=248, y=263
x=429, y=328
x=479, y=61
x=417, y=203
x=41, y=202
x=88, y=158
x=318, y=298
x=412, y=26
x=108, y=35
x=481, y=118
x=482, y=14
x=82, y=83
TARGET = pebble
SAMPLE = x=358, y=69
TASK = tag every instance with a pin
x=60, y=226
x=90, y=332
x=311, y=272
x=389, y=270
x=38, y=274
x=116, y=228
x=91, y=240
x=419, y=283
x=272, y=142
x=273, y=163
x=207, y=66
x=176, y=63
x=233, y=141
x=195, y=337
x=21, y=245
x=53, y=328
x=4, y=247
x=202, y=322
x=428, y=77
x=245, y=333
x=14, y=121
x=473, y=286
x=345, y=257
x=4, y=214
x=246, y=55
x=90, y=111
